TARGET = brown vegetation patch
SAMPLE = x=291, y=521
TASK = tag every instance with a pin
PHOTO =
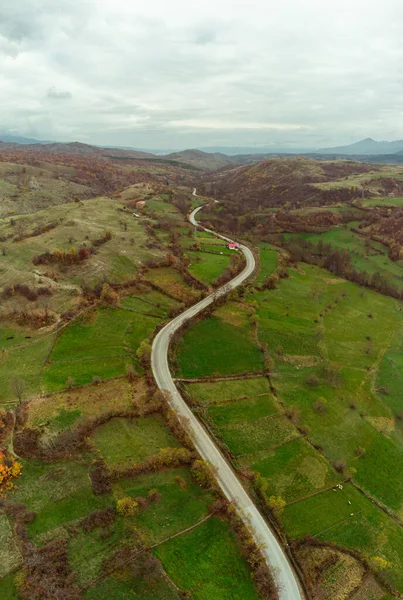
x=301, y=361
x=117, y=394
x=384, y=425
x=332, y=281
x=332, y=575
x=234, y=314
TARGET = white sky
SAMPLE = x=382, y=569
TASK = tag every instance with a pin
x=170, y=73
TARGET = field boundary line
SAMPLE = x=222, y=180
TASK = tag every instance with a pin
x=50, y=333
x=147, y=549
x=370, y=375
x=238, y=425
x=271, y=448
x=322, y=491
x=171, y=537
x=144, y=300
x=336, y=524
x=69, y=360
x=378, y=503
x=206, y=403
x=214, y=379
x=137, y=312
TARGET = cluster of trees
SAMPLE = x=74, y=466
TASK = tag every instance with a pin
x=339, y=263
x=72, y=256
x=22, y=289
x=102, y=240
x=284, y=182
x=58, y=255
x=21, y=232
x=10, y=468
x=36, y=316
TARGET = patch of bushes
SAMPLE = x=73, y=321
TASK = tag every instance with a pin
x=99, y=476
x=58, y=255
x=23, y=289
x=98, y=518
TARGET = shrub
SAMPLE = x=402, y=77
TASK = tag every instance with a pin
x=47, y=572
x=98, y=518
x=203, y=472
x=181, y=482
x=109, y=296
x=320, y=406
x=340, y=466
x=127, y=507
x=144, y=353
x=293, y=413
x=332, y=374
x=271, y=282
x=276, y=504
x=9, y=470
x=99, y=476
x=130, y=373
x=312, y=380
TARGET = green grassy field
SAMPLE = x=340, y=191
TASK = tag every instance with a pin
x=382, y=201
x=249, y=409
x=336, y=351
x=8, y=588
x=56, y=376
x=100, y=344
x=253, y=436
x=292, y=471
x=372, y=258
x=215, y=346
x=207, y=267
x=206, y=563
x=102, y=333
x=220, y=391
x=125, y=587
x=124, y=442
x=359, y=525
x=182, y=503
x=172, y=282
x=140, y=305
x=268, y=262
x=23, y=363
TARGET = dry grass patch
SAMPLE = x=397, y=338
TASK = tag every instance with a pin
x=333, y=575
x=384, y=425
x=233, y=313
x=301, y=361
x=332, y=281
x=89, y=401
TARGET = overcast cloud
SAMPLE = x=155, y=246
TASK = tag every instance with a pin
x=172, y=73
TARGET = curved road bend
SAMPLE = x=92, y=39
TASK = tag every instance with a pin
x=227, y=479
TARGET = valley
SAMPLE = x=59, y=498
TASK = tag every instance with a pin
x=295, y=374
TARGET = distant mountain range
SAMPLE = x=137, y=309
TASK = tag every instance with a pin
x=365, y=147
x=210, y=159
x=17, y=139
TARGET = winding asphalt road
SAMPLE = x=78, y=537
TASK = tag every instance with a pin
x=227, y=479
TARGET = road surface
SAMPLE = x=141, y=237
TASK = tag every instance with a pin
x=226, y=477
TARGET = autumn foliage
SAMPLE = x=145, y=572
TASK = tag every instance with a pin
x=9, y=470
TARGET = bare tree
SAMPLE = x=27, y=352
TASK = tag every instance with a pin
x=18, y=388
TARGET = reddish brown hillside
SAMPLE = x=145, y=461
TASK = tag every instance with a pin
x=284, y=181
